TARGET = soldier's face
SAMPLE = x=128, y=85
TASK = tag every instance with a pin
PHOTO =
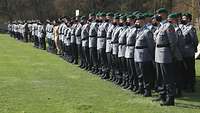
x=184, y=18
x=115, y=21
x=139, y=22
x=121, y=21
x=108, y=17
x=172, y=21
x=163, y=15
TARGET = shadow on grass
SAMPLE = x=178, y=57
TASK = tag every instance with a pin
x=191, y=97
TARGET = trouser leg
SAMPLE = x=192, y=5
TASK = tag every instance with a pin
x=168, y=84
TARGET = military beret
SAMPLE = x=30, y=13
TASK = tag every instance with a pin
x=162, y=10
x=102, y=14
x=150, y=15
x=131, y=16
x=123, y=17
x=116, y=17
x=140, y=16
x=121, y=14
x=83, y=18
x=179, y=14
x=109, y=14
x=136, y=12
x=92, y=14
x=145, y=14
x=172, y=15
x=188, y=15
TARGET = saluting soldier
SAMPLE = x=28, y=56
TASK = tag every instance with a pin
x=164, y=58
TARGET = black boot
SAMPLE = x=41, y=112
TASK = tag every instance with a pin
x=160, y=98
x=168, y=102
x=178, y=93
x=147, y=93
x=123, y=83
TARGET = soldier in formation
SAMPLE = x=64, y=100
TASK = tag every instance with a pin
x=138, y=51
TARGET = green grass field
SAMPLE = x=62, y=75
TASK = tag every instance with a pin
x=34, y=81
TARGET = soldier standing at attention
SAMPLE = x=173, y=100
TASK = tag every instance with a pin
x=73, y=41
x=101, y=45
x=115, y=22
x=93, y=43
x=78, y=42
x=85, y=42
x=122, y=49
x=164, y=58
x=109, y=19
x=144, y=57
x=190, y=47
x=115, y=46
x=129, y=53
x=179, y=64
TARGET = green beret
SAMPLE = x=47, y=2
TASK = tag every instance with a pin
x=172, y=16
x=131, y=16
x=83, y=18
x=109, y=14
x=136, y=12
x=102, y=14
x=150, y=15
x=92, y=14
x=145, y=14
x=162, y=10
x=140, y=16
x=116, y=17
x=188, y=15
x=179, y=14
x=123, y=17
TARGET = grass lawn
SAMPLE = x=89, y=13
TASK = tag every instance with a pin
x=34, y=81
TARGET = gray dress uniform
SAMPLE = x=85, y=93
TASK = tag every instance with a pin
x=121, y=53
x=190, y=47
x=101, y=48
x=115, y=47
x=61, y=30
x=93, y=46
x=179, y=64
x=164, y=58
x=109, y=48
x=67, y=47
x=85, y=45
x=79, y=44
x=73, y=44
x=131, y=79
x=34, y=33
x=144, y=58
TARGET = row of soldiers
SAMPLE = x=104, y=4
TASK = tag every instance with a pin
x=138, y=51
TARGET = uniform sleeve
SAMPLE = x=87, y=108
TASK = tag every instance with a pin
x=172, y=39
x=180, y=41
x=194, y=38
x=150, y=43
